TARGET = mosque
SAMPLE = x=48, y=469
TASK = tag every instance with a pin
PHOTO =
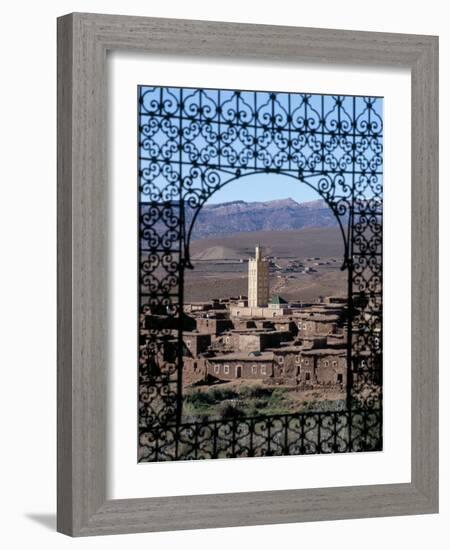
x=258, y=303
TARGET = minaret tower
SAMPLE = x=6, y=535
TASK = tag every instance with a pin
x=258, y=280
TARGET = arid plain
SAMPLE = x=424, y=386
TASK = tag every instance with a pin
x=305, y=264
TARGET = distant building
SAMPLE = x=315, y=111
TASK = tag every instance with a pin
x=254, y=365
x=195, y=343
x=258, y=280
x=278, y=307
x=257, y=340
x=318, y=323
x=324, y=367
x=277, y=302
x=259, y=312
x=291, y=365
x=213, y=325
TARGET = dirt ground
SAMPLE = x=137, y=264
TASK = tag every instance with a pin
x=220, y=265
x=211, y=280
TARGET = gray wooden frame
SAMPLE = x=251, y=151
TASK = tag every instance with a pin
x=83, y=41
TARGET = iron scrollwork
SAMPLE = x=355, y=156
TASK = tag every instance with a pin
x=192, y=142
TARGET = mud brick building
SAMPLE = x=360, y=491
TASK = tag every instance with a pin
x=195, y=343
x=323, y=367
x=243, y=324
x=313, y=341
x=318, y=323
x=260, y=323
x=195, y=307
x=336, y=340
x=213, y=325
x=286, y=324
x=286, y=364
x=253, y=365
x=194, y=370
x=257, y=340
x=222, y=343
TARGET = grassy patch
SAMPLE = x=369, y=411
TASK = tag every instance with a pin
x=236, y=402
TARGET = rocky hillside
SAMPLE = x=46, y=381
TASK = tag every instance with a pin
x=278, y=215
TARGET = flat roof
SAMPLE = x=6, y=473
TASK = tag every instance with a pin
x=287, y=349
x=325, y=351
x=321, y=317
x=241, y=356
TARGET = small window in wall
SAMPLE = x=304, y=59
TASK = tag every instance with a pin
x=280, y=359
x=327, y=363
x=306, y=361
x=339, y=379
x=307, y=376
x=254, y=369
x=226, y=369
x=334, y=363
x=263, y=369
x=216, y=369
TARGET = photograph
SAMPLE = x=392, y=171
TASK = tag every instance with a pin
x=260, y=271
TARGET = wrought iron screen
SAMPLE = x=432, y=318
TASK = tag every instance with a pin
x=192, y=142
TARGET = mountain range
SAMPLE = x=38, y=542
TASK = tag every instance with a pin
x=278, y=215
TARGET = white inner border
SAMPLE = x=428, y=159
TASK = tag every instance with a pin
x=126, y=478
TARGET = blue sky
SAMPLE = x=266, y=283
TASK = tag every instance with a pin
x=264, y=187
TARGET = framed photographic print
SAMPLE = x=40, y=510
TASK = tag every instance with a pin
x=247, y=332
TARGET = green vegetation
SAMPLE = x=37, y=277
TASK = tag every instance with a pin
x=224, y=401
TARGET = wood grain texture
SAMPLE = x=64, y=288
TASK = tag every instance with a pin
x=83, y=40
x=425, y=260
x=64, y=276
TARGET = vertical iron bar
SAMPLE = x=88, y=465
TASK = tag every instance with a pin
x=350, y=303
x=322, y=125
x=180, y=278
x=215, y=430
x=256, y=130
x=219, y=137
x=286, y=423
x=233, y=439
x=289, y=134
x=319, y=433
x=302, y=434
x=335, y=421
x=350, y=431
x=139, y=260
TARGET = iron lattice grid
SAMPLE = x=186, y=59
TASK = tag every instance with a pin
x=191, y=143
